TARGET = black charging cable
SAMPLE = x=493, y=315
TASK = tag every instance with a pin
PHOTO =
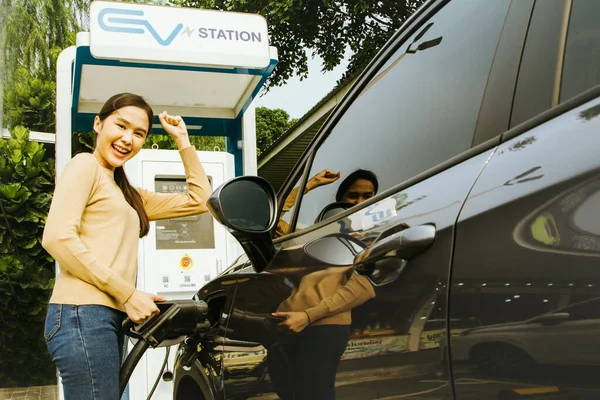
x=160, y=373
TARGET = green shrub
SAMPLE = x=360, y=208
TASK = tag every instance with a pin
x=26, y=270
x=30, y=102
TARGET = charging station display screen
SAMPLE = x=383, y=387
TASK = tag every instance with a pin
x=194, y=232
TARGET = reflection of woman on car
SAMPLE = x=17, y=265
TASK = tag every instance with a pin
x=359, y=186
x=318, y=312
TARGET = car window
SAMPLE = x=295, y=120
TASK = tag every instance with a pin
x=581, y=67
x=419, y=110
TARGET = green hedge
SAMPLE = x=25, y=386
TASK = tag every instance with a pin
x=26, y=270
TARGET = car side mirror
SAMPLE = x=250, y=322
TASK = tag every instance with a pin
x=246, y=206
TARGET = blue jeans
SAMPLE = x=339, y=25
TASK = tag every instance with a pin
x=86, y=344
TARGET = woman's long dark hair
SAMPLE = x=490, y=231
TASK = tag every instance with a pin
x=353, y=177
x=132, y=196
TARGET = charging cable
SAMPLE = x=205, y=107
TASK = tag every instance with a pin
x=160, y=373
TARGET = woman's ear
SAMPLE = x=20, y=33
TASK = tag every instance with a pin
x=97, y=124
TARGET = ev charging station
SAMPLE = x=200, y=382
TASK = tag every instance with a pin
x=206, y=66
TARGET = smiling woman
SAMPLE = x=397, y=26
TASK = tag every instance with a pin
x=123, y=132
x=93, y=228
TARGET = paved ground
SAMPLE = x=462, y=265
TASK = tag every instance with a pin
x=30, y=393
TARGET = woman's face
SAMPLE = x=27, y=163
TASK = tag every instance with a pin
x=361, y=190
x=121, y=136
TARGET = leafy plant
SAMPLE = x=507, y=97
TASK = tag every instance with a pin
x=30, y=101
x=26, y=270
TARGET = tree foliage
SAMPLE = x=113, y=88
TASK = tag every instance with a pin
x=270, y=125
x=321, y=27
x=37, y=30
x=30, y=101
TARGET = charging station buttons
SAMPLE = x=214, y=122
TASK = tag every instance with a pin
x=186, y=262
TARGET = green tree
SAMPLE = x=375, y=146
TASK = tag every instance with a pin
x=322, y=27
x=270, y=125
x=37, y=30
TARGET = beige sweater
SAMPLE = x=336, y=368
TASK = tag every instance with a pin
x=93, y=232
x=328, y=296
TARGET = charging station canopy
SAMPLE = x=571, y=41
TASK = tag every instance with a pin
x=204, y=65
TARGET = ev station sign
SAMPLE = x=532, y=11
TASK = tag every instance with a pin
x=165, y=35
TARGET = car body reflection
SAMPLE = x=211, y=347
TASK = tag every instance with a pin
x=565, y=336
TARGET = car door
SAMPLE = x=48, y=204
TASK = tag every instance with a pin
x=528, y=237
x=411, y=120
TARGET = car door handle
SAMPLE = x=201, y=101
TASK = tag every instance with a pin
x=407, y=244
